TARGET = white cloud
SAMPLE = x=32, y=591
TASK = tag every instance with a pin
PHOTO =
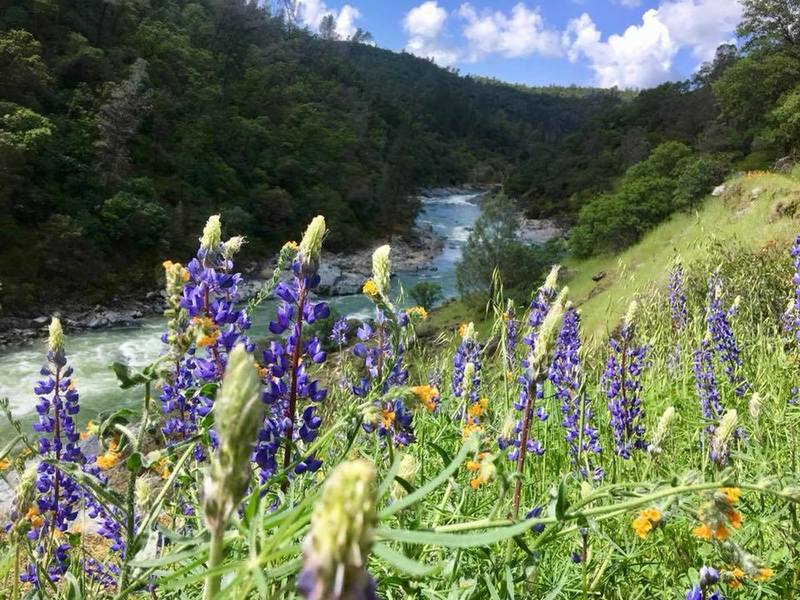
x=644, y=54
x=425, y=20
x=701, y=25
x=425, y=24
x=630, y=3
x=311, y=13
x=522, y=33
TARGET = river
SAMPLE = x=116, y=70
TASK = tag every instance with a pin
x=90, y=353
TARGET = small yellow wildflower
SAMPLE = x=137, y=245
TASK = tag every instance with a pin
x=387, y=418
x=4, y=464
x=646, y=521
x=370, y=288
x=764, y=574
x=461, y=329
x=731, y=494
x=702, y=531
x=734, y=518
x=292, y=246
x=426, y=395
x=471, y=429
x=110, y=458
x=34, y=517
x=737, y=577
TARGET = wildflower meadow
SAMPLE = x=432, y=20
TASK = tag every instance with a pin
x=514, y=457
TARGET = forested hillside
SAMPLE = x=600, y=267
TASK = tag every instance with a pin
x=125, y=124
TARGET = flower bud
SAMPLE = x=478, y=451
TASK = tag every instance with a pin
x=719, y=444
x=311, y=245
x=143, y=494
x=382, y=269
x=551, y=280
x=232, y=246
x=544, y=341
x=754, y=406
x=340, y=539
x=55, y=341
x=662, y=430
x=630, y=316
x=468, y=332
x=238, y=415
x=212, y=234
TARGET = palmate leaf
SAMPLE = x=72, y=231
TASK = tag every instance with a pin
x=128, y=377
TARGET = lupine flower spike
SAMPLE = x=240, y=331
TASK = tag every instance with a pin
x=566, y=375
x=291, y=392
x=622, y=383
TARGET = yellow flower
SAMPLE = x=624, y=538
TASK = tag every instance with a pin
x=4, y=464
x=645, y=521
x=731, y=494
x=734, y=518
x=419, y=311
x=764, y=574
x=426, y=395
x=387, y=418
x=702, y=531
x=470, y=429
x=473, y=465
x=292, y=245
x=110, y=458
x=475, y=410
x=34, y=517
x=737, y=575
x=370, y=289
x=476, y=482
x=461, y=329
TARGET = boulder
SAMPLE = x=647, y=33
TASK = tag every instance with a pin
x=719, y=190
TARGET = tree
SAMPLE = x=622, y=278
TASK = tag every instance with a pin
x=327, y=28
x=493, y=244
x=426, y=294
x=770, y=22
x=361, y=36
x=119, y=120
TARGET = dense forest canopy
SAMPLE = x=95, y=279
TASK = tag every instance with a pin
x=124, y=124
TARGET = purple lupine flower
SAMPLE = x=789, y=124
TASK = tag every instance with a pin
x=535, y=513
x=540, y=305
x=510, y=320
x=622, y=383
x=59, y=496
x=205, y=324
x=291, y=394
x=566, y=376
x=383, y=370
x=468, y=352
x=705, y=383
x=339, y=331
x=723, y=339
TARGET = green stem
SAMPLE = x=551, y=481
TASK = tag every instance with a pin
x=215, y=556
x=130, y=498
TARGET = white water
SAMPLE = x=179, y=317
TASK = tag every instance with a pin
x=91, y=353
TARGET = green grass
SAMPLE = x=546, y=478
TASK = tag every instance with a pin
x=737, y=215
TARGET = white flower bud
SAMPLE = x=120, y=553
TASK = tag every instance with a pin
x=212, y=234
x=311, y=245
x=232, y=246
x=382, y=269
x=55, y=341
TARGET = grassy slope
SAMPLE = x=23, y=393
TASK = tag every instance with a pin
x=737, y=215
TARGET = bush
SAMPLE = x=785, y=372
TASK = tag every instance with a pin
x=426, y=294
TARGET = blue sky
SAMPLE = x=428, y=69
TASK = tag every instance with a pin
x=623, y=43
